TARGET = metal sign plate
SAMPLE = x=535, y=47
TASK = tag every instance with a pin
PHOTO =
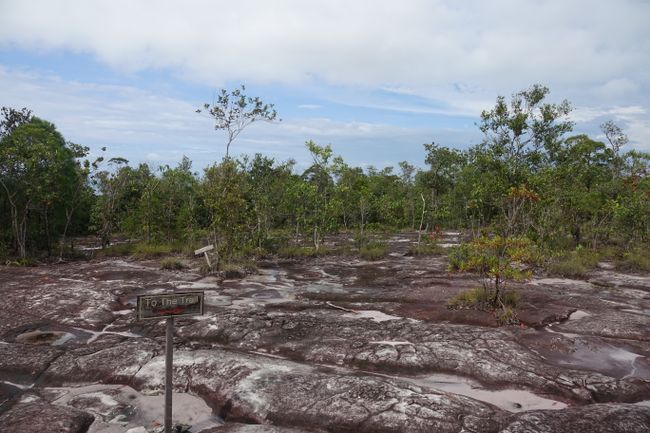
x=170, y=305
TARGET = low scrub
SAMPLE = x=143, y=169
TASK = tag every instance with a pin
x=575, y=264
x=144, y=250
x=297, y=252
x=172, y=264
x=635, y=260
x=426, y=249
x=373, y=251
x=481, y=299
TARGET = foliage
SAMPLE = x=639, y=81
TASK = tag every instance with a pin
x=39, y=177
x=499, y=261
x=573, y=264
x=527, y=178
x=295, y=252
x=373, y=251
x=233, y=111
x=171, y=264
x=634, y=260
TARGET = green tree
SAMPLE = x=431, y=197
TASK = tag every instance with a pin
x=36, y=164
x=499, y=262
x=233, y=111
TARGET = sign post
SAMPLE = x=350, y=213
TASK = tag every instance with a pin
x=205, y=250
x=168, y=306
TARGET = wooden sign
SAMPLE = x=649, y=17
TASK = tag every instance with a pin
x=203, y=250
x=170, y=305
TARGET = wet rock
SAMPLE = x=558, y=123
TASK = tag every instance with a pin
x=492, y=356
x=254, y=428
x=596, y=418
x=7, y=393
x=612, y=324
x=101, y=362
x=261, y=390
x=38, y=416
x=25, y=363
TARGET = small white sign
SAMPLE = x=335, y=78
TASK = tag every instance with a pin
x=204, y=249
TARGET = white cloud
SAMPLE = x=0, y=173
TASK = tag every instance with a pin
x=455, y=56
x=146, y=127
x=412, y=44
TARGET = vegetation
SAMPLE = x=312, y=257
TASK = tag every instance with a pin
x=527, y=182
x=499, y=261
x=172, y=264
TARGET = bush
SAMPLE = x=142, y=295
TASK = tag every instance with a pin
x=459, y=255
x=172, y=265
x=373, y=251
x=478, y=298
x=634, y=260
x=574, y=264
x=507, y=316
x=426, y=249
x=144, y=250
x=296, y=252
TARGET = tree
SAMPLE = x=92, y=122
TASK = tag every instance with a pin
x=614, y=135
x=12, y=119
x=233, y=111
x=520, y=133
x=35, y=166
x=498, y=261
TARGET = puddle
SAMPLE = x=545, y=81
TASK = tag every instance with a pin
x=17, y=385
x=391, y=343
x=578, y=314
x=603, y=358
x=118, y=408
x=375, y=315
x=38, y=337
x=7, y=392
x=94, y=335
x=512, y=400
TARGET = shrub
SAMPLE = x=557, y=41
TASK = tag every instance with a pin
x=498, y=261
x=172, y=264
x=574, y=264
x=473, y=298
x=426, y=249
x=479, y=298
x=634, y=260
x=373, y=251
x=458, y=255
x=294, y=252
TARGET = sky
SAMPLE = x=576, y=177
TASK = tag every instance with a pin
x=375, y=79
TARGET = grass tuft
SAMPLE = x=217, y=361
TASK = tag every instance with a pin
x=171, y=264
x=373, y=251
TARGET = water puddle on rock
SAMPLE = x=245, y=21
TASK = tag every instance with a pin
x=38, y=337
x=590, y=353
x=118, y=408
x=512, y=400
x=375, y=315
x=578, y=314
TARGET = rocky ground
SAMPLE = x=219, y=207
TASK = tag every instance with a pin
x=334, y=344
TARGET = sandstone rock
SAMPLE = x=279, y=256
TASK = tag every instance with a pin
x=22, y=363
x=261, y=390
x=103, y=363
x=40, y=417
x=596, y=418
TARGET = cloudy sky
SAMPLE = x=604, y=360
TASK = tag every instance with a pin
x=374, y=78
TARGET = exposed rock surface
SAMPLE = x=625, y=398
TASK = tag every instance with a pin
x=597, y=418
x=257, y=389
x=325, y=345
x=38, y=416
